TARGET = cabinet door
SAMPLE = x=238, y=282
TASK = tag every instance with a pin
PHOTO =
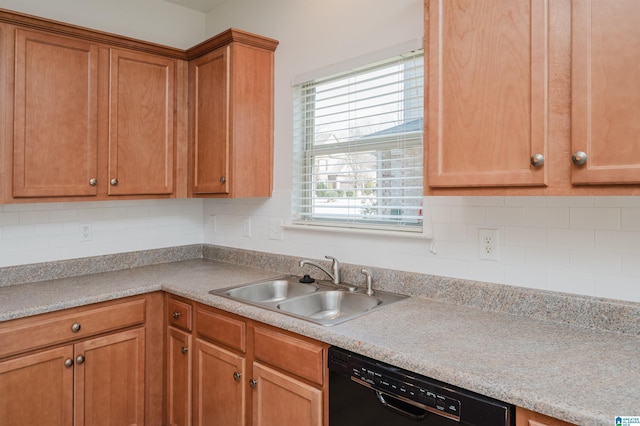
x=530, y=418
x=37, y=389
x=487, y=101
x=178, y=377
x=109, y=381
x=279, y=400
x=210, y=103
x=605, y=98
x=55, y=116
x=141, y=120
x=219, y=386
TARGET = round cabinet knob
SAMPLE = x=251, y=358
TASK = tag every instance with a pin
x=253, y=383
x=75, y=327
x=184, y=350
x=176, y=314
x=537, y=160
x=68, y=363
x=579, y=158
x=113, y=182
x=223, y=179
x=93, y=181
x=236, y=376
x=80, y=359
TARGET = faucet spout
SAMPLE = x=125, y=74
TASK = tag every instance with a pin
x=334, y=275
x=322, y=268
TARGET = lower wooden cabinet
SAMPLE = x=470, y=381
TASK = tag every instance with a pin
x=220, y=386
x=179, y=372
x=83, y=366
x=526, y=417
x=40, y=380
x=280, y=399
x=109, y=380
x=244, y=372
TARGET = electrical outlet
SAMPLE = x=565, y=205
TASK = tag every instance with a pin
x=212, y=223
x=488, y=244
x=246, y=226
x=275, y=229
x=85, y=232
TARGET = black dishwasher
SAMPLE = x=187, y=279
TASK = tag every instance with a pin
x=366, y=392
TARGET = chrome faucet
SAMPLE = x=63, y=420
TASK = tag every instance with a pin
x=335, y=267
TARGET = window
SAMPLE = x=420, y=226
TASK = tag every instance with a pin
x=358, y=147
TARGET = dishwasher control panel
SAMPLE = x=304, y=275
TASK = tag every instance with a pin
x=429, y=396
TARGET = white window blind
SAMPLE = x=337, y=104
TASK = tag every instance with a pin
x=358, y=146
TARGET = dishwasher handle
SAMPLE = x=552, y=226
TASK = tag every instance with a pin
x=387, y=404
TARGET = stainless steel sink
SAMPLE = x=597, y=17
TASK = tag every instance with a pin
x=322, y=302
x=275, y=290
x=329, y=305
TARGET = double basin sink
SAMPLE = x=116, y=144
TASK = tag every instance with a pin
x=320, y=302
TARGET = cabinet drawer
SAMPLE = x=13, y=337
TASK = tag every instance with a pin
x=293, y=355
x=180, y=314
x=222, y=329
x=49, y=329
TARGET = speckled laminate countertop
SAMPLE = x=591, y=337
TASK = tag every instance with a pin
x=575, y=374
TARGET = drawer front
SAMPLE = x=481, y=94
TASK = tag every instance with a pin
x=180, y=314
x=222, y=329
x=37, y=332
x=293, y=355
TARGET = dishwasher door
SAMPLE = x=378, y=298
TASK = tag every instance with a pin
x=367, y=392
x=352, y=404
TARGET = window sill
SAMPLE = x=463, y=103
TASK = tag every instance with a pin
x=426, y=234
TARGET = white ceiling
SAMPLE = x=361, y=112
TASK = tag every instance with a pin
x=201, y=5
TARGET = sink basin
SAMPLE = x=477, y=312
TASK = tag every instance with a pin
x=329, y=305
x=271, y=291
x=322, y=302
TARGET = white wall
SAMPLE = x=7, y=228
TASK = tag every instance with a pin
x=150, y=20
x=584, y=245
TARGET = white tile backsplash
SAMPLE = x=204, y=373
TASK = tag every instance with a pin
x=566, y=244
x=31, y=233
x=597, y=254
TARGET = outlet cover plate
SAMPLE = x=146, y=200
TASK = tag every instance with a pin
x=488, y=247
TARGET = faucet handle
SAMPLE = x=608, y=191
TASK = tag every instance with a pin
x=369, y=276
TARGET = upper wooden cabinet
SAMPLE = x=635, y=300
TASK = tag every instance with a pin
x=487, y=103
x=89, y=116
x=605, y=113
x=92, y=116
x=55, y=125
x=142, y=105
x=231, y=116
x=508, y=80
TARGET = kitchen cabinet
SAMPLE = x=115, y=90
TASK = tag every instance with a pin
x=220, y=386
x=89, y=116
x=231, y=116
x=526, y=417
x=55, y=140
x=179, y=361
x=605, y=106
x=247, y=373
x=82, y=366
x=515, y=89
x=487, y=107
x=40, y=380
x=142, y=104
